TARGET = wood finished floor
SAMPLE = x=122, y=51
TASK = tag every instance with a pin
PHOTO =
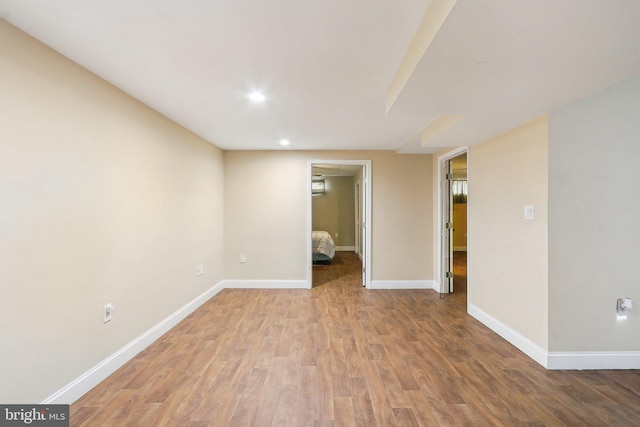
x=341, y=355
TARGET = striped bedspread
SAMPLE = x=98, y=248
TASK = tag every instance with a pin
x=322, y=243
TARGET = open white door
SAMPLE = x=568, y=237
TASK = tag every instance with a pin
x=363, y=226
x=447, y=230
x=445, y=251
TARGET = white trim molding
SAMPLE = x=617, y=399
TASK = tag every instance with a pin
x=518, y=340
x=85, y=382
x=404, y=284
x=437, y=241
x=550, y=360
x=265, y=284
x=593, y=360
x=556, y=360
x=345, y=248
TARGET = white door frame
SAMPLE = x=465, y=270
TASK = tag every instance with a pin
x=357, y=186
x=439, y=273
x=366, y=219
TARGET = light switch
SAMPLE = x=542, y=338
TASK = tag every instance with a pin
x=529, y=212
x=108, y=312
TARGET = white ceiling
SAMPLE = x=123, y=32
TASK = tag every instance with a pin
x=326, y=65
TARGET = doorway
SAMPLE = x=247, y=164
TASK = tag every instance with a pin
x=358, y=225
x=352, y=235
x=452, y=200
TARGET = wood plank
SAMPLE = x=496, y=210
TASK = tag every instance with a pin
x=339, y=354
x=405, y=417
x=285, y=407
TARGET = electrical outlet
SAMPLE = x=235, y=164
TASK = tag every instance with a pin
x=336, y=235
x=199, y=270
x=108, y=312
x=243, y=258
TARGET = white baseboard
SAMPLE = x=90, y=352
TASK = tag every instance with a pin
x=550, y=360
x=460, y=248
x=265, y=284
x=521, y=342
x=436, y=287
x=571, y=360
x=403, y=284
x=594, y=360
x=85, y=382
x=345, y=248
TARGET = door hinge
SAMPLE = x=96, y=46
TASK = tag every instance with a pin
x=449, y=275
x=448, y=176
x=449, y=226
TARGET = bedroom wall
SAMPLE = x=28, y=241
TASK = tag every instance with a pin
x=593, y=198
x=104, y=201
x=459, y=226
x=266, y=218
x=508, y=261
x=334, y=210
x=459, y=170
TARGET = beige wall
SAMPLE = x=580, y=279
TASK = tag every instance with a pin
x=334, y=210
x=594, y=189
x=266, y=218
x=103, y=201
x=508, y=261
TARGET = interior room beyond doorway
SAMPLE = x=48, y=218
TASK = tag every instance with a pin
x=459, y=208
x=337, y=217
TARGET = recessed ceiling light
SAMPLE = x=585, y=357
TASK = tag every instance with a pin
x=284, y=142
x=257, y=97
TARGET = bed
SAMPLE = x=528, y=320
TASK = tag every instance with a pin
x=322, y=246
